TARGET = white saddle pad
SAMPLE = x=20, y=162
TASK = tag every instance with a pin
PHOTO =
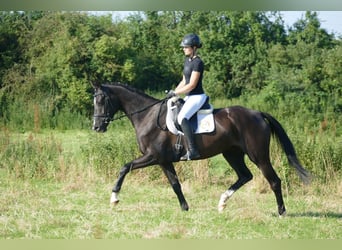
x=205, y=119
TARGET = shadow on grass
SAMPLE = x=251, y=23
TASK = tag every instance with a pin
x=332, y=215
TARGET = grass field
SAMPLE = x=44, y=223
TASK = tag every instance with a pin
x=81, y=210
x=73, y=203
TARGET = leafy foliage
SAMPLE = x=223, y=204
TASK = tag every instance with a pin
x=54, y=56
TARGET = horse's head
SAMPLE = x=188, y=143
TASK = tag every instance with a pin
x=105, y=106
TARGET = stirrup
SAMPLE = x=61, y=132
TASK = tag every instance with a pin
x=188, y=156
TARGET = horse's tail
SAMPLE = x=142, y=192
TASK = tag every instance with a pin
x=287, y=146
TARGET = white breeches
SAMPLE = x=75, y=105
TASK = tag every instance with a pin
x=192, y=104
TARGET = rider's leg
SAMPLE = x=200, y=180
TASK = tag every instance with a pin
x=192, y=104
x=192, y=152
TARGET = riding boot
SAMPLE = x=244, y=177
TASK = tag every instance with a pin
x=192, y=152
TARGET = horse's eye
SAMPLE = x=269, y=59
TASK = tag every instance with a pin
x=99, y=98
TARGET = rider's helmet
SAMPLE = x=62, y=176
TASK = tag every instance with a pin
x=191, y=40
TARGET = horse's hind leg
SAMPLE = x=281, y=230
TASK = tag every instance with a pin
x=236, y=160
x=275, y=184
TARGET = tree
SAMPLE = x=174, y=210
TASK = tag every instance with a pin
x=309, y=31
x=55, y=56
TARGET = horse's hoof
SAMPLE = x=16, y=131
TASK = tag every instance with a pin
x=282, y=215
x=114, y=203
x=221, y=208
x=114, y=200
x=185, y=207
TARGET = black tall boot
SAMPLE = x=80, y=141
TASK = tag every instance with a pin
x=192, y=152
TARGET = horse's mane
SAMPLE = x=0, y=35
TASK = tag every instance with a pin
x=129, y=88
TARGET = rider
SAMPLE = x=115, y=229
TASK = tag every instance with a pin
x=191, y=86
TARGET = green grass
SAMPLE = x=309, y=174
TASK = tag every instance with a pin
x=71, y=201
x=80, y=209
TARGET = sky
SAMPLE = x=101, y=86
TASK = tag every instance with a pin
x=330, y=20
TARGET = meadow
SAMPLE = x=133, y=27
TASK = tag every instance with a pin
x=57, y=184
x=56, y=175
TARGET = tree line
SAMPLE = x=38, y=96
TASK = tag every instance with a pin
x=51, y=58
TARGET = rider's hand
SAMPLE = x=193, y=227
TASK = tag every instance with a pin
x=170, y=94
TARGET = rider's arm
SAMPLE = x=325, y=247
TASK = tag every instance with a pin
x=183, y=88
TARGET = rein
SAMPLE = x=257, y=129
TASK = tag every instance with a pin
x=141, y=110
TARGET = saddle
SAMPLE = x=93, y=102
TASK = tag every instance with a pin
x=201, y=122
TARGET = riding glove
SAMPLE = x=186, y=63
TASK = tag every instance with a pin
x=170, y=94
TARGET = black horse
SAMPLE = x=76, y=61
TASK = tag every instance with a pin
x=238, y=131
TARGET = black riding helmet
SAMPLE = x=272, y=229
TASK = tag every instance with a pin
x=191, y=40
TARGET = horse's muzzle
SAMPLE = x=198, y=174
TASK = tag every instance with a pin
x=100, y=129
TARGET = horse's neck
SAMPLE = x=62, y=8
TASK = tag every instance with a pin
x=134, y=103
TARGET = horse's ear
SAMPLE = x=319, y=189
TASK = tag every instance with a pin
x=96, y=85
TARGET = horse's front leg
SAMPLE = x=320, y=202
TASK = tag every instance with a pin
x=171, y=175
x=117, y=187
x=144, y=161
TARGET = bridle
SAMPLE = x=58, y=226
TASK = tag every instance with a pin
x=108, y=118
x=106, y=114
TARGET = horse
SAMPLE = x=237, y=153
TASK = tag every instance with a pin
x=239, y=131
